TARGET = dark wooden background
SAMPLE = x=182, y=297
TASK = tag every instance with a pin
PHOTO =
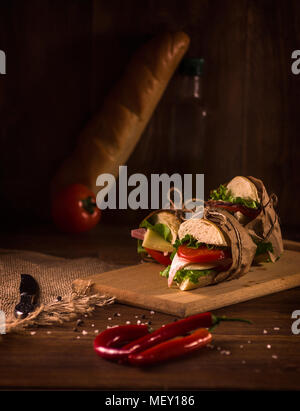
x=63, y=57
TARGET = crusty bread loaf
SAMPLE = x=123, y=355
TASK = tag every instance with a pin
x=110, y=137
x=203, y=231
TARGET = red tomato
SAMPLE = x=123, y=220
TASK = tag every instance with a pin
x=74, y=209
x=201, y=254
x=159, y=257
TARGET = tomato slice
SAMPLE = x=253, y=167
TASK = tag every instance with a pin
x=202, y=254
x=159, y=257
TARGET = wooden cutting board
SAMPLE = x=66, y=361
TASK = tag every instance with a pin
x=142, y=286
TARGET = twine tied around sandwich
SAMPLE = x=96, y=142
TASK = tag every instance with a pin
x=182, y=211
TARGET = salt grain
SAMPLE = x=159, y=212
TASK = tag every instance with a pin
x=241, y=346
x=96, y=331
x=93, y=325
x=276, y=328
x=127, y=322
x=275, y=357
x=48, y=332
x=152, y=312
x=109, y=318
x=84, y=332
x=265, y=332
x=249, y=342
x=33, y=332
x=268, y=346
x=78, y=337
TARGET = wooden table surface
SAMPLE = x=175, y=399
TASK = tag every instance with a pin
x=264, y=355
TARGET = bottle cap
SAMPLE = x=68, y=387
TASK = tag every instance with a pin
x=191, y=66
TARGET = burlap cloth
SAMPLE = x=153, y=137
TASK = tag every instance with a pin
x=53, y=274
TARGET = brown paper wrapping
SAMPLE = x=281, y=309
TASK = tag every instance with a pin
x=242, y=247
x=265, y=227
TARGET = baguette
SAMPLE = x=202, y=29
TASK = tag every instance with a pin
x=110, y=137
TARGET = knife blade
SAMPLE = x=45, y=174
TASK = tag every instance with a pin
x=29, y=295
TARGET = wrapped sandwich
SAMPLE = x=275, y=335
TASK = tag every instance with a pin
x=247, y=199
x=156, y=235
x=209, y=250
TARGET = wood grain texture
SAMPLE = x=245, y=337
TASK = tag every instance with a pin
x=60, y=360
x=142, y=286
x=63, y=58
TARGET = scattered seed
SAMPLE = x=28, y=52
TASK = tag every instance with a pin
x=127, y=322
x=275, y=357
x=78, y=337
x=276, y=328
x=86, y=316
x=109, y=318
x=138, y=322
x=227, y=352
x=241, y=346
x=136, y=316
x=84, y=332
x=218, y=348
x=96, y=331
x=249, y=342
x=243, y=362
x=93, y=325
x=48, y=332
x=257, y=370
x=268, y=346
x=32, y=332
x=265, y=332
x=152, y=312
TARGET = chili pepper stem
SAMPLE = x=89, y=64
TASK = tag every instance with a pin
x=216, y=320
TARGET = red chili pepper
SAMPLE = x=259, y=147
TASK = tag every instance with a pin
x=106, y=342
x=172, y=349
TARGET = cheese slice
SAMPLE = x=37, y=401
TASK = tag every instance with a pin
x=154, y=241
x=200, y=266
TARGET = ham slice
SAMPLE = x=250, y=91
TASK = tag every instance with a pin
x=138, y=233
x=177, y=264
x=233, y=208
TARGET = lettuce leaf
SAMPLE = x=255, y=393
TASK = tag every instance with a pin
x=161, y=229
x=262, y=247
x=191, y=242
x=223, y=194
x=140, y=248
x=181, y=275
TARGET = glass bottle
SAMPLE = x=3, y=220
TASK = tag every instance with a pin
x=186, y=117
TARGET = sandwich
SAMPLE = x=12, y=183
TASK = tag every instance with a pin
x=202, y=251
x=242, y=197
x=156, y=235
